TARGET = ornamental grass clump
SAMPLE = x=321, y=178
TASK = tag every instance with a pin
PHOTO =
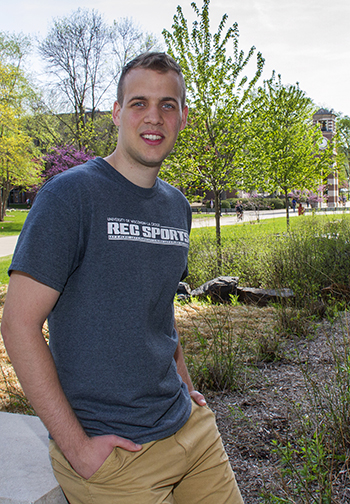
x=223, y=343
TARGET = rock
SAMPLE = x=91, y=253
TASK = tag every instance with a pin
x=183, y=291
x=262, y=297
x=218, y=290
x=221, y=288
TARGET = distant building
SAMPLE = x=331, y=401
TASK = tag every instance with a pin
x=326, y=119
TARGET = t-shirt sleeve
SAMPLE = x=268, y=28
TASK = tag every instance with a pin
x=48, y=247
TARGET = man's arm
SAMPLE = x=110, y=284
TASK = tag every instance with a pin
x=183, y=372
x=28, y=303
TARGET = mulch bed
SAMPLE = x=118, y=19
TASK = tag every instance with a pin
x=250, y=421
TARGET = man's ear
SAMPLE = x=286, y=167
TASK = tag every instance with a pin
x=116, y=113
x=184, y=118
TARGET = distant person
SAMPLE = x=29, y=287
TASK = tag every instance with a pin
x=239, y=210
x=101, y=255
x=294, y=204
x=301, y=209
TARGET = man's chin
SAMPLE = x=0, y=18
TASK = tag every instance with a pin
x=153, y=163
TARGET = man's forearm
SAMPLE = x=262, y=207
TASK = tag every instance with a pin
x=36, y=371
x=28, y=303
x=182, y=368
x=183, y=372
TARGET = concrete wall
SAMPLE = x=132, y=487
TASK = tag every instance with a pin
x=26, y=475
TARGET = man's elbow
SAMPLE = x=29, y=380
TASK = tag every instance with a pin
x=8, y=328
x=15, y=326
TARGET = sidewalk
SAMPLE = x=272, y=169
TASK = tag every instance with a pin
x=230, y=218
x=7, y=245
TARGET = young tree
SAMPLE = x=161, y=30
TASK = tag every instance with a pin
x=284, y=148
x=19, y=165
x=208, y=151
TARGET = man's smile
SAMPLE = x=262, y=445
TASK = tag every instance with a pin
x=152, y=137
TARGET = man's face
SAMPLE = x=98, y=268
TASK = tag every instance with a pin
x=150, y=118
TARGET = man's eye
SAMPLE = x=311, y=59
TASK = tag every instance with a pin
x=168, y=106
x=138, y=104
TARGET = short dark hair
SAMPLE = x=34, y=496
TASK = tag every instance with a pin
x=158, y=61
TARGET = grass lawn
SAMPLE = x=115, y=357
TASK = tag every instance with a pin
x=4, y=266
x=13, y=222
x=267, y=226
x=11, y=226
x=263, y=227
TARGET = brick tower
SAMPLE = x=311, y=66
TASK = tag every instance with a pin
x=326, y=120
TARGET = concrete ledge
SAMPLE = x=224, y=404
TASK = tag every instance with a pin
x=26, y=475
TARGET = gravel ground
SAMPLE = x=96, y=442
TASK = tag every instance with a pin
x=249, y=421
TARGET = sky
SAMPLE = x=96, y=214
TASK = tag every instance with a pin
x=305, y=41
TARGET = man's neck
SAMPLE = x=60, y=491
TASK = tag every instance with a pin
x=142, y=176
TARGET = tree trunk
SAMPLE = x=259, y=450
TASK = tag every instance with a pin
x=4, y=194
x=218, y=230
x=287, y=208
x=2, y=210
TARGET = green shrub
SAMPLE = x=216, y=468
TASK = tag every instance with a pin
x=276, y=203
x=313, y=260
x=22, y=206
x=258, y=203
x=232, y=202
x=255, y=204
x=225, y=204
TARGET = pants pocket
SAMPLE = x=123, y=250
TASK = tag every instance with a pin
x=61, y=465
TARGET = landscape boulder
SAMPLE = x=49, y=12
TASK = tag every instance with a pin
x=183, y=291
x=262, y=297
x=218, y=290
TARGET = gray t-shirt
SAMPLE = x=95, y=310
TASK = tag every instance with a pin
x=115, y=252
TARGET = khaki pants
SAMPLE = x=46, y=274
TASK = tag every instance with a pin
x=190, y=467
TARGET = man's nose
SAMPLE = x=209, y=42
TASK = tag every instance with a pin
x=153, y=115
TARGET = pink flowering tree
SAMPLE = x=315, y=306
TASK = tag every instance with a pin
x=63, y=157
x=60, y=158
x=307, y=196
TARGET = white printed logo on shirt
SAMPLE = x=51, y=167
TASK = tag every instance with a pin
x=127, y=229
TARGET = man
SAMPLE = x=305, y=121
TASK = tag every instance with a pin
x=101, y=255
x=239, y=210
